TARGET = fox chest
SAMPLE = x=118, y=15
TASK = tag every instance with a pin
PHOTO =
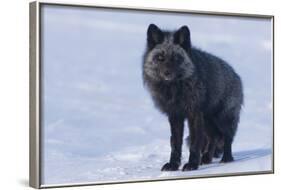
x=175, y=99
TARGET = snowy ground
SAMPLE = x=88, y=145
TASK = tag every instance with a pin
x=144, y=162
x=99, y=123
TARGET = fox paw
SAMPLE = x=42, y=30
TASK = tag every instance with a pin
x=170, y=167
x=226, y=159
x=189, y=167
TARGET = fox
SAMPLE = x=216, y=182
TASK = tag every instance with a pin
x=189, y=84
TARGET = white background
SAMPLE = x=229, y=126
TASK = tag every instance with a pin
x=14, y=94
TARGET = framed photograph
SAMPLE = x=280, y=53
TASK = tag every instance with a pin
x=135, y=94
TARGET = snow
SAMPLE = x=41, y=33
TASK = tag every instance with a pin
x=144, y=162
x=99, y=123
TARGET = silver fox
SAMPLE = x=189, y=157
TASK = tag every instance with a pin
x=189, y=84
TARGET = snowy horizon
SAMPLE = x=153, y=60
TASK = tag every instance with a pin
x=99, y=123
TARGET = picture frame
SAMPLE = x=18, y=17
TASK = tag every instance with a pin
x=37, y=90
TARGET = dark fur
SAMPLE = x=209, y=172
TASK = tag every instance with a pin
x=188, y=83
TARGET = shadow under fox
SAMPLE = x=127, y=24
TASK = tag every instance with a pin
x=189, y=84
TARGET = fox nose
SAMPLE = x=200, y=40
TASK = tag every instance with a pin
x=167, y=73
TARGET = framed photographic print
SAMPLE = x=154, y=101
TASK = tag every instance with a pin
x=134, y=94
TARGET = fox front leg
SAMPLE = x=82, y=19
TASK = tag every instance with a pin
x=176, y=125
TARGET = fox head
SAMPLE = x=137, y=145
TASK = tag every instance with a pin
x=168, y=54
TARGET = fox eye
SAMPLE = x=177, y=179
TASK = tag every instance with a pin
x=160, y=58
x=178, y=58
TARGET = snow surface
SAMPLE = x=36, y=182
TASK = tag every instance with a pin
x=99, y=123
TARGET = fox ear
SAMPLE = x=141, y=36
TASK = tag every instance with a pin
x=154, y=36
x=182, y=37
